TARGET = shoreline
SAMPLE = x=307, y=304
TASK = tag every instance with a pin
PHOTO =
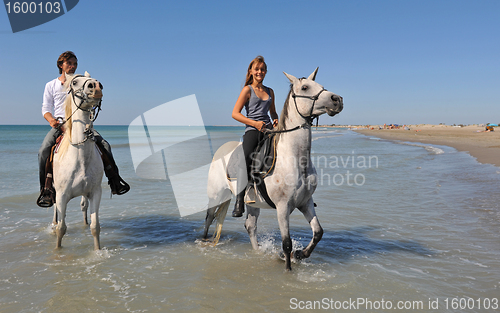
x=484, y=146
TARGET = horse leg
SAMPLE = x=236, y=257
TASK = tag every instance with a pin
x=284, y=222
x=60, y=215
x=95, y=228
x=251, y=225
x=54, y=219
x=218, y=204
x=209, y=219
x=310, y=215
x=84, y=204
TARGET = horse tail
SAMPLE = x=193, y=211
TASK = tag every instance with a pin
x=67, y=126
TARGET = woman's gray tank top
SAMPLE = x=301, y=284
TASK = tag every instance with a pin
x=257, y=109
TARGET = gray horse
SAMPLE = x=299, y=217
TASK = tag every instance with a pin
x=78, y=167
x=293, y=180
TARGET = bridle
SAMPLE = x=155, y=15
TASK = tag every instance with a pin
x=83, y=97
x=309, y=119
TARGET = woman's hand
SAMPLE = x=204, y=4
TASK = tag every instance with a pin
x=275, y=122
x=259, y=125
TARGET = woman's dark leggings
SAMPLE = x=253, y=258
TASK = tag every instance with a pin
x=250, y=141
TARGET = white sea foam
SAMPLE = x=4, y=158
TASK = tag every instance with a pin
x=324, y=137
x=431, y=149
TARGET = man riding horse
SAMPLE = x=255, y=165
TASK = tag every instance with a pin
x=53, y=111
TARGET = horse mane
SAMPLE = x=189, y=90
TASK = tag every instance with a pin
x=284, y=115
x=284, y=111
x=69, y=123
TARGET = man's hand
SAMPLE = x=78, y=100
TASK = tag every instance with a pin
x=52, y=121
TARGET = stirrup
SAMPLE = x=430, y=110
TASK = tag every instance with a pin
x=46, y=198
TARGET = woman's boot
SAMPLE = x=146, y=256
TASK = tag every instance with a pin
x=239, y=206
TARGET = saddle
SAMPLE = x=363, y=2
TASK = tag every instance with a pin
x=263, y=161
x=263, y=158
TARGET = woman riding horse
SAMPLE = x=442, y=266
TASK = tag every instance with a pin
x=258, y=100
x=293, y=180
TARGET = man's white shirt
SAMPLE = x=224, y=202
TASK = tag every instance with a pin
x=53, y=98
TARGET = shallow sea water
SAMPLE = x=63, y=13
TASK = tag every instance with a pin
x=407, y=226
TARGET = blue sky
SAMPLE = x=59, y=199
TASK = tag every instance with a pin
x=392, y=61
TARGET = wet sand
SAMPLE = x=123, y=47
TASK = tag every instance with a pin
x=484, y=146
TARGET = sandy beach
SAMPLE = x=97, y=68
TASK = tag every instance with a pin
x=484, y=146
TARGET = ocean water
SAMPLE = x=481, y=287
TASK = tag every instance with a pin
x=406, y=227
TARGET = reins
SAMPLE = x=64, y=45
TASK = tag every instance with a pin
x=305, y=125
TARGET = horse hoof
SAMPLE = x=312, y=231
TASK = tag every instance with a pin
x=299, y=255
x=296, y=255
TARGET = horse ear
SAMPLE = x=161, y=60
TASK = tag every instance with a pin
x=87, y=74
x=313, y=75
x=292, y=78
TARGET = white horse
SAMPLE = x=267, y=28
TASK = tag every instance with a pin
x=293, y=180
x=78, y=167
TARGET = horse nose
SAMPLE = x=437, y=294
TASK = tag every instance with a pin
x=97, y=90
x=337, y=100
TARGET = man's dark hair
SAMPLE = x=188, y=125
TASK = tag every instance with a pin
x=65, y=56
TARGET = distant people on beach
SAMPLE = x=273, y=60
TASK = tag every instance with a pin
x=394, y=126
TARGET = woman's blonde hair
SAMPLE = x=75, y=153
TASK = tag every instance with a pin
x=249, y=78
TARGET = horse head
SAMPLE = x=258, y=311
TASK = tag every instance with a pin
x=88, y=90
x=311, y=99
x=84, y=97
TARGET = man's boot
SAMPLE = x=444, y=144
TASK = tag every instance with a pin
x=116, y=183
x=47, y=196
